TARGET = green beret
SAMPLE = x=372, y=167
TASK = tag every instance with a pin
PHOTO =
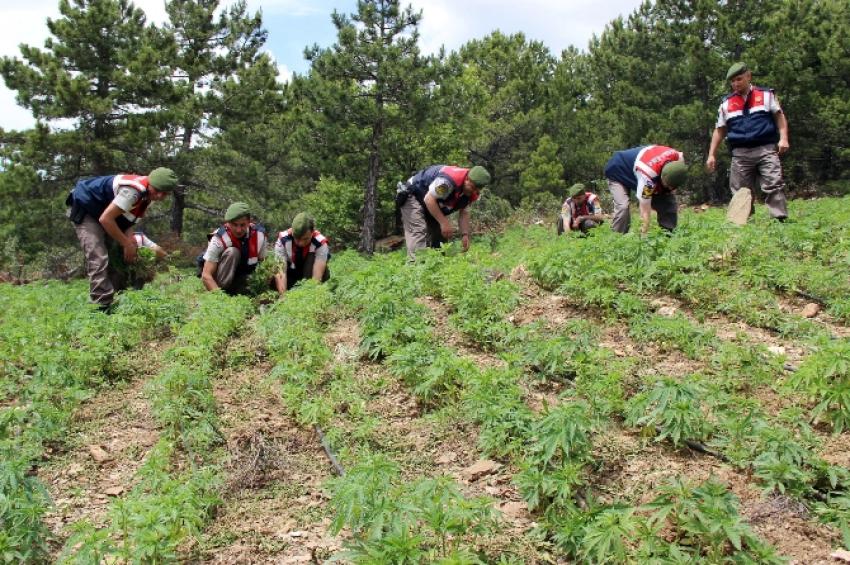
x=736, y=69
x=577, y=190
x=674, y=174
x=162, y=179
x=479, y=176
x=301, y=224
x=236, y=211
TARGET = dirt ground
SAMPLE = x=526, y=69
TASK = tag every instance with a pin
x=633, y=467
x=276, y=500
x=112, y=434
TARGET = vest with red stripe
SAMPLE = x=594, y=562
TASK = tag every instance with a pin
x=253, y=241
x=648, y=160
x=585, y=208
x=95, y=194
x=456, y=200
x=298, y=255
x=749, y=121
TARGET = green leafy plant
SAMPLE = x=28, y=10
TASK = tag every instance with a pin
x=428, y=520
x=705, y=517
x=824, y=377
x=23, y=503
x=671, y=410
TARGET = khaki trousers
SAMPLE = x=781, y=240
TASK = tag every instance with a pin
x=92, y=238
x=420, y=228
x=762, y=163
x=225, y=274
x=663, y=204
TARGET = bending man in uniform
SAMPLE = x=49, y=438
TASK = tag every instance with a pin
x=111, y=206
x=653, y=172
x=581, y=211
x=233, y=252
x=430, y=196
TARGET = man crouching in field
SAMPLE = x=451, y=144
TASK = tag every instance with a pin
x=303, y=252
x=110, y=206
x=581, y=211
x=234, y=251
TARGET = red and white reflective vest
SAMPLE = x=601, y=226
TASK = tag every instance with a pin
x=296, y=254
x=256, y=239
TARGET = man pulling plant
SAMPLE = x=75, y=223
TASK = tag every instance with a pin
x=653, y=172
x=581, y=211
x=234, y=251
x=143, y=270
x=437, y=192
x=110, y=206
x=304, y=253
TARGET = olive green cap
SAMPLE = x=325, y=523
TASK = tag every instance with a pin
x=236, y=211
x=479, y=176
x=577, y=190
x=162, y=179
x=674, y=174
x=736, y=69
x=301, y=224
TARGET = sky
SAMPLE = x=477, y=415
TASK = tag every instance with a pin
x=293, y=25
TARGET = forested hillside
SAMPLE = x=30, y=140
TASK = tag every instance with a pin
x=197, y=94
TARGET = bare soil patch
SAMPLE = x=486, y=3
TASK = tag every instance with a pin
x=273, y=509
x=453, y=338
x=111, y=436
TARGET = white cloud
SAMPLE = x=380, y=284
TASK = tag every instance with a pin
x=284, y=74
x=26, y=22
x=558, y=24
x=295, y=8
x=14, y=117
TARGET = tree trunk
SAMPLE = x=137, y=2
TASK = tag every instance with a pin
x=370, y=200
x=178, y=202
x=178, y=205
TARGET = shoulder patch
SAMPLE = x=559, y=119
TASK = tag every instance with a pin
x=647, y=191
x=442, y=190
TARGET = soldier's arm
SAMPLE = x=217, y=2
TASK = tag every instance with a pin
x=208, y=275
x=434, y=209
x=463, y=224
x=109, y=220
x=782, y=126
x=718, y=136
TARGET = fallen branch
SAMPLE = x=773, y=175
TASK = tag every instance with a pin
x=701, y=448
x=337, y=467
x=811, y=297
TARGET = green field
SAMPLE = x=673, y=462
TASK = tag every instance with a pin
x=606, y=399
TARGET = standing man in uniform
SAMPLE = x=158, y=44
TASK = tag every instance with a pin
x=233, y=252
x=430, y=196
x=653, y=172
x=303, y=251
x=580, y=211
x=110, y=206
x=756, y=130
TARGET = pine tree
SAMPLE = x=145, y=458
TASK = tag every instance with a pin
x=544, y=171
x=208, y=51
x=375, y=78
x=101, y=70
